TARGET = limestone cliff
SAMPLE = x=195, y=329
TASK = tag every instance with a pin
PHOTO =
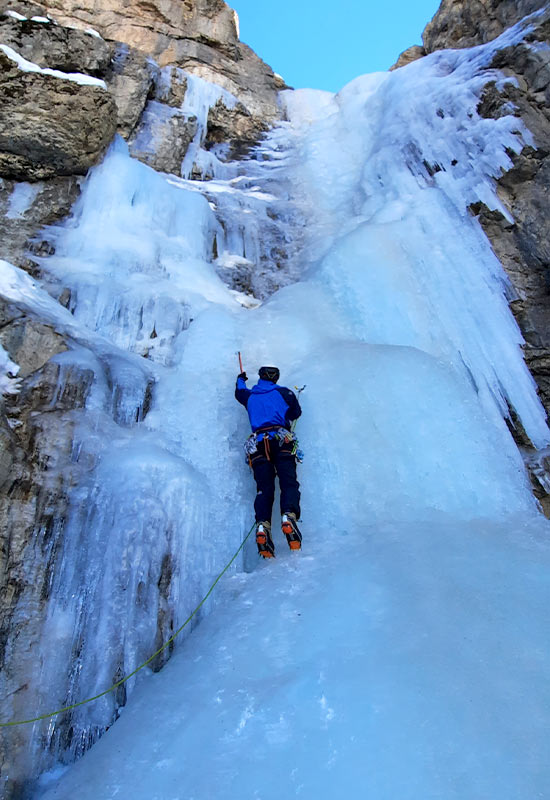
x=200, y=36
x=465, y=23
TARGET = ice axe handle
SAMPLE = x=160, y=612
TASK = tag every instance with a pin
x=241, y=362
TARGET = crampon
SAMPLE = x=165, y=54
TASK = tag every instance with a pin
x=291, y=531
x=264, y=541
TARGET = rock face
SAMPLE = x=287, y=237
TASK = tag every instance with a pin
x=523, y=246
x=235, y=129
x=57, y=47
x=29, y=343
x=171, y=134
x=35, y=435
x=165, y=131
x=159, y=28
x=201, y=36
x=63, y=127
x=25, y=208
x=465, y=23
x=50, y=126
x=407, y=56
x=130, y=80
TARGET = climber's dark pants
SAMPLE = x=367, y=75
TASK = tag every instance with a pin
x=277, y=461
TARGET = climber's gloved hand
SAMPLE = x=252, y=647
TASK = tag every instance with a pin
x=244, y=376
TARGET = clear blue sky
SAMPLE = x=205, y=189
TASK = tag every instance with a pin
x=323, y=44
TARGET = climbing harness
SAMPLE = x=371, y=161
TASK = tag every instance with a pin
x=145, y=663
x=283, y=436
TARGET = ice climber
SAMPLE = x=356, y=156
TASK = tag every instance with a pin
x=271, y=450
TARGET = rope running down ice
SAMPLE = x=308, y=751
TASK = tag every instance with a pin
x=145, y=663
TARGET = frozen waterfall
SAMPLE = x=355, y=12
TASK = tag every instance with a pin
x=403, y=653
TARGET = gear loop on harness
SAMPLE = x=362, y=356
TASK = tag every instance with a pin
x=283, y=435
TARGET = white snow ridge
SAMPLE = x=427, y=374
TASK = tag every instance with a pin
x=28, y=66
x=404, y=654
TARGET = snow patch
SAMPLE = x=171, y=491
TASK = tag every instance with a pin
x=14, y=15
x=8, y=373
x=22, y=198
x=28, y=66
x=306, y=106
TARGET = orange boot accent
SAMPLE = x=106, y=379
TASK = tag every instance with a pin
x=263, y=540
x=291, y=531
x=287, y=528
x=296, y=545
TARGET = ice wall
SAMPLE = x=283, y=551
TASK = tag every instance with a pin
x=396, y=241
x=398, y=326
x=154, y=466
x=389, y=660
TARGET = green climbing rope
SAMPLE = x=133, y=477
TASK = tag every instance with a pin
x=145, y=663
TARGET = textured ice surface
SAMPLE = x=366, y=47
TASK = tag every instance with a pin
x=403, y=653
x=388, y=661
x=396, y=243
x=200, y=96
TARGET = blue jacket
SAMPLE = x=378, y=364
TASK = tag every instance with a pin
x=268, y=404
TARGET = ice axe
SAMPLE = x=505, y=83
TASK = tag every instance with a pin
x=242, y=372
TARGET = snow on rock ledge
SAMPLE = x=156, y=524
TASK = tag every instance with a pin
x=51, y=123
x=55, y=46
x=28, y=66
x=200, y=36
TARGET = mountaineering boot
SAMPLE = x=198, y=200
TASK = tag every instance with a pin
x=264, y=541
x=291, y=530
